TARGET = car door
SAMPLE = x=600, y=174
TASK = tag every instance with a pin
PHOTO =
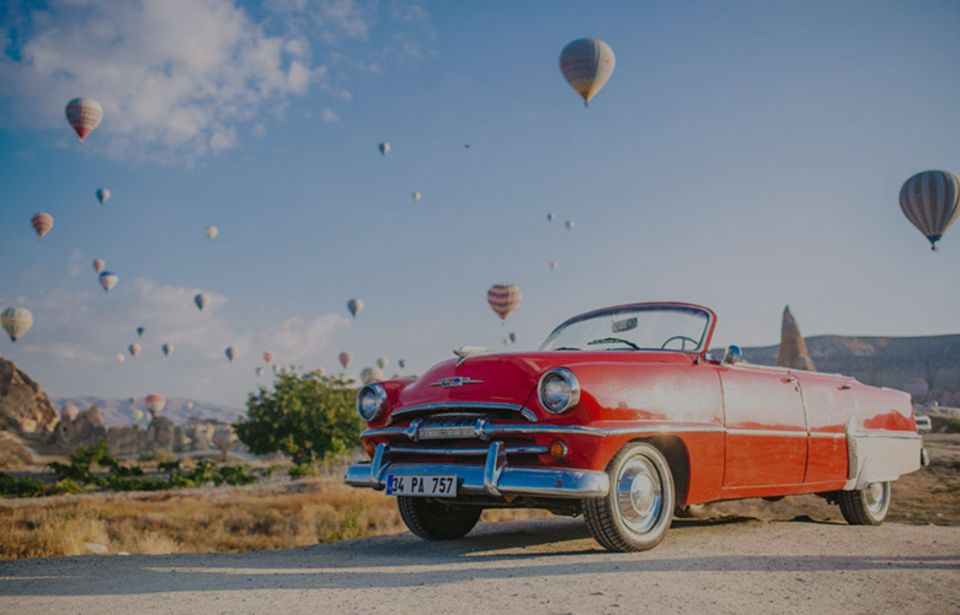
x=766, y=432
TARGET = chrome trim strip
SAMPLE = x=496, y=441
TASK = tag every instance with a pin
x=492, y=429
x=467, y=451
x=783, y=433
x=465, y=405
x=828, y=434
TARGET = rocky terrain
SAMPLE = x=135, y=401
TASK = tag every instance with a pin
x=178, y=409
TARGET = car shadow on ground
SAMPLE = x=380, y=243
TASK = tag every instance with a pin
x=495, y=551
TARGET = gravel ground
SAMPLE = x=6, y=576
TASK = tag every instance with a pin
x=733, y=565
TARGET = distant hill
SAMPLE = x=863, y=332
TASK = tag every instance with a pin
x=120, y=411
x=927, y=367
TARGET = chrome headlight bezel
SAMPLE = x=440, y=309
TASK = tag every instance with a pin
x=573, y=396
x=378, y=396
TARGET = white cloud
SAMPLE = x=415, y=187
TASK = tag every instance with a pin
x=329, y=117
x=74, y=264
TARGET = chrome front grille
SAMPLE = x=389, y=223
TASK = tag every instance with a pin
x=449, y=427
x=489, y=409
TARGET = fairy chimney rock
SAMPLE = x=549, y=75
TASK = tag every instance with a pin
x=793, y=350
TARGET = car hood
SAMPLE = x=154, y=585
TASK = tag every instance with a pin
x=507, y=378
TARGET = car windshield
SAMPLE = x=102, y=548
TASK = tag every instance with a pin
x=674, y=328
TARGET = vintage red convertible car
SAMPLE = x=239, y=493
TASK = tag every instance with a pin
x=624, y=417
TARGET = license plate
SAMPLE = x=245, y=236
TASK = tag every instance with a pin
x=426, y=486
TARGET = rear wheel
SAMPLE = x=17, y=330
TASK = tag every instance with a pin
x=637, y=513
x=435, y=521
x=867, y=506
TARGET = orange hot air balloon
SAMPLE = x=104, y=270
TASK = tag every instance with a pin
x=42, y=223
x=504, y=299
x=84, y=114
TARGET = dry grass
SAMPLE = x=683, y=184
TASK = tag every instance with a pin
x=201, y=520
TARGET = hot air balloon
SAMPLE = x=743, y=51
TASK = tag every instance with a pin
x=416, y=196
x=134, y=350
x=16, y=321
x=355, y=306
x=188, y=405
x=503, y=299
x=402, y=363
x=268, y=357
x=137, y=415
x=108, y=280
x=230, y=353
x=103, y=195
x=587, y=64
x=551, y=216
x=931, y=202
x=382, y=362
x=140, y=331
x=200, y=300
x=344, y=358
x=554, y=265
x=99, y=264
x=506, y=341
x=69, y=412
x=513, y=337
x=384, y=148
x=211, y=232
x=259, y=371
x=120, y=359
x=42, y=223
x=155, y=403
x=569, y=224
x=167, y=349
x=370, y=374
x=84, y=114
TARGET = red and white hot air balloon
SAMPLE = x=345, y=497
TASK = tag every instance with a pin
x=84, y=114
x=99, y=264
x=42, y=223
x=504, y=299
x=155, y=403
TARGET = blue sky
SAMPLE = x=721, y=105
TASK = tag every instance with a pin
x=742, y=156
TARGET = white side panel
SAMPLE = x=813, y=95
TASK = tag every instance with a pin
x=877, y=456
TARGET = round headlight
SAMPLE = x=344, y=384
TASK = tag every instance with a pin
x=559, y=390
x=371, y=401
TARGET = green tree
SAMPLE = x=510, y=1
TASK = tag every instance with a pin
x=308, y=418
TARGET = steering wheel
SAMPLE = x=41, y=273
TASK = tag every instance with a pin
x=683, y=339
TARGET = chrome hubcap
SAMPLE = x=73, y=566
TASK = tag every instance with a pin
x=875, y=497
x=639, y=494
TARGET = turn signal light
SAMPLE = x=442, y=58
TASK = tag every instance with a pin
x=559, y=450
x=370, y=447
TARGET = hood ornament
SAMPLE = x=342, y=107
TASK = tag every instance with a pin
x=465, y=352
x=455, y=381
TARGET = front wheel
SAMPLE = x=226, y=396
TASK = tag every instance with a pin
x=637, y=513
x=867, y=506
x=435, y=521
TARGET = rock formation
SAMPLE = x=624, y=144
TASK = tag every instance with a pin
x=793, y=350
x=24, y=406
x=87, y=428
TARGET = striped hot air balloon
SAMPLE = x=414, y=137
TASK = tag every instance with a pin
x=108, y=280
x=167, y=349
x=503, y=299
x=103, y=195
x=355, y=306
x=99, y=264
x=84, y=114
x=134, y=350
x=931, y=202
x=384, y=148
x=42, y=223
x=16, y=321
x=587, y=64
x=416, y=196
x=345, y=358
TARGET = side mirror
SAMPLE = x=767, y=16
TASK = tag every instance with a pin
x=733, y=355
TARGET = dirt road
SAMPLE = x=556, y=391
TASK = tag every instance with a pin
x=534, y=566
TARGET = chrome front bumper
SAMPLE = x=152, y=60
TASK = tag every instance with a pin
x=494, y=478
